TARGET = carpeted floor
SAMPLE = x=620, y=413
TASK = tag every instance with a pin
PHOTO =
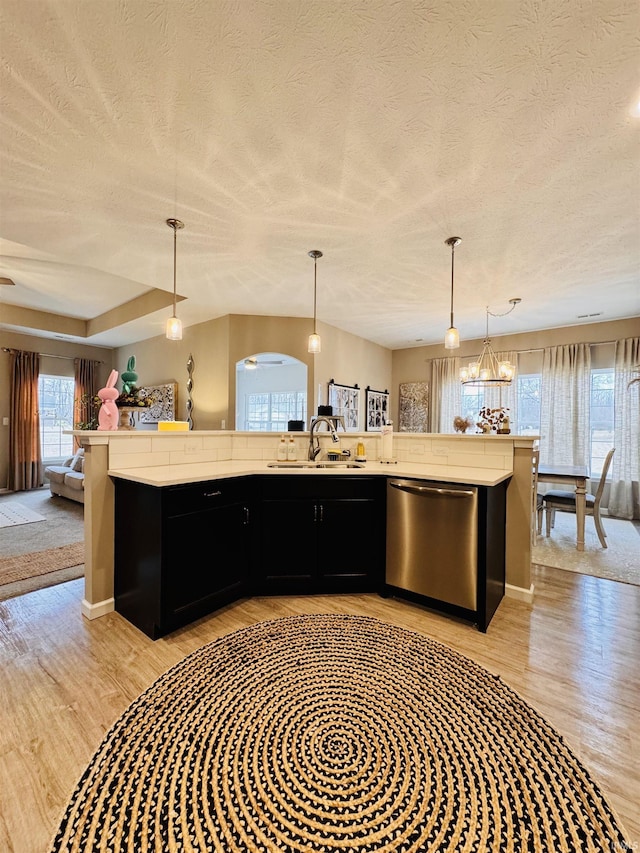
x=334, y=733
x=619, y=561
x=46, y=546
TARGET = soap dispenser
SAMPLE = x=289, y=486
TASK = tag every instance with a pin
x=292, y=454
x=282, y=449
x=361, y=455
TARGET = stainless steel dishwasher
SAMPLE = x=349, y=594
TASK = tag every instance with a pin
x=432, y=540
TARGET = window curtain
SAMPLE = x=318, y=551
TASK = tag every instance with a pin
x=84, y=408
x=446, y=398
x=25, y=459
x=625, y=465
x=564, y=406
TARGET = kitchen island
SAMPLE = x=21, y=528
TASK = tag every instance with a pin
x=170, y=459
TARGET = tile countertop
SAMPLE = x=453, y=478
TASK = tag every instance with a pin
x=172, y=475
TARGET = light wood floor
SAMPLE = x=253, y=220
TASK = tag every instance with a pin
x=574, y=656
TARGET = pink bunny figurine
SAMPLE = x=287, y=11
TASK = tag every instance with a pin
x=108, y=415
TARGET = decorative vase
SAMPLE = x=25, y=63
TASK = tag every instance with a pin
x=127, y=417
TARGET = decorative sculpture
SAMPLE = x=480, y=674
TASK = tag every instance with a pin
x=109, y=415
x=129, y=377
x=190, y=366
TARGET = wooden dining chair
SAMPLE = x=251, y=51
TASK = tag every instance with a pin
x=558, y=500
x=536, y=499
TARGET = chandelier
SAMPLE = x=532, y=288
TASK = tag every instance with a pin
x=488, y=371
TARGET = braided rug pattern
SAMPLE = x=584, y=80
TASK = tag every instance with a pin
x=333, y=733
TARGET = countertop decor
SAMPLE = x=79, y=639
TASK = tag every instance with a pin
x=129, y=403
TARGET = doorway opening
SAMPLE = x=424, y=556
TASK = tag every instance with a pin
x=271, y=390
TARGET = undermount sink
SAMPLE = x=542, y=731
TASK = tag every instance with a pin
x=291, y=464
x=338, y=465
x=314, y=465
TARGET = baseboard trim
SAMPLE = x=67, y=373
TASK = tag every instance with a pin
x=519, y=593
x=94, y=611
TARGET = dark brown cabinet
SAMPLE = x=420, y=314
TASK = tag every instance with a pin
x=319, y=534
x=181, y=552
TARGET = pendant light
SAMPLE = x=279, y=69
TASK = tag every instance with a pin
x=451, y=337
x=174, y=325
x=487, y=371
x=314, y=339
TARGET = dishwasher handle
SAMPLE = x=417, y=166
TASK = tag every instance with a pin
x=432, y=490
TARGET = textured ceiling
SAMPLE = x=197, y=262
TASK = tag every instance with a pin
x=370, y=130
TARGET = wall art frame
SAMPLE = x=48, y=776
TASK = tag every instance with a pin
x=414, y=407
x=165, y=403
x=345, y=401
x=376, y=409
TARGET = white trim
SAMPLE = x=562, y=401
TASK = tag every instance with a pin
x=94, y=611
x=519, y=593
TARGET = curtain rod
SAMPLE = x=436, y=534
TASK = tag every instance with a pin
x=542, y=349
x=52, y=355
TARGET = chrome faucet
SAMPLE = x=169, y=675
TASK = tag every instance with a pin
x=315, y=450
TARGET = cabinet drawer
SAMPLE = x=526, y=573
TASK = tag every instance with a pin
x=196, y=497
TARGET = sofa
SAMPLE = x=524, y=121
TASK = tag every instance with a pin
x=67, y=480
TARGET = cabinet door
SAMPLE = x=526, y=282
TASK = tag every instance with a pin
x=205, y=562
x=320, y=534
x=285, y=557
x=350, y=545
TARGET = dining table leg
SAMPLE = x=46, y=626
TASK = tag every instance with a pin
x=581, y=503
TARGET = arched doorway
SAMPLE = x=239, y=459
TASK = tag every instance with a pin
x=271, y=390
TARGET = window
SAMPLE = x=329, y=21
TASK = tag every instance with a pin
x=601, y=417
x=271, y=411
x=55, y=402
x=601, y=413
x=528, y=404
x=472, y=402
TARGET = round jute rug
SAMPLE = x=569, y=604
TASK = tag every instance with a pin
x=334, y=733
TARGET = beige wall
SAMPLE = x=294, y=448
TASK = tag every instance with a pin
x=217, y=345
x=159, y=361
x=414, y=365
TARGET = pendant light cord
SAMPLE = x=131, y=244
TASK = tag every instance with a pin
x=175, y=234
x=453, y=245
x=175, y=225
x=315, y=290
x=315, y=254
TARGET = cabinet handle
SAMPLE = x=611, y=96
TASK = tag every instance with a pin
x=321, y=512
x=315, y=512
x=212, y=494
x=246, y=515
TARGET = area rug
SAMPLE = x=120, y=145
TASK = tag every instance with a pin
x=15, y=513
x=619, y=561
x=26, y=566
x=334, y=733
